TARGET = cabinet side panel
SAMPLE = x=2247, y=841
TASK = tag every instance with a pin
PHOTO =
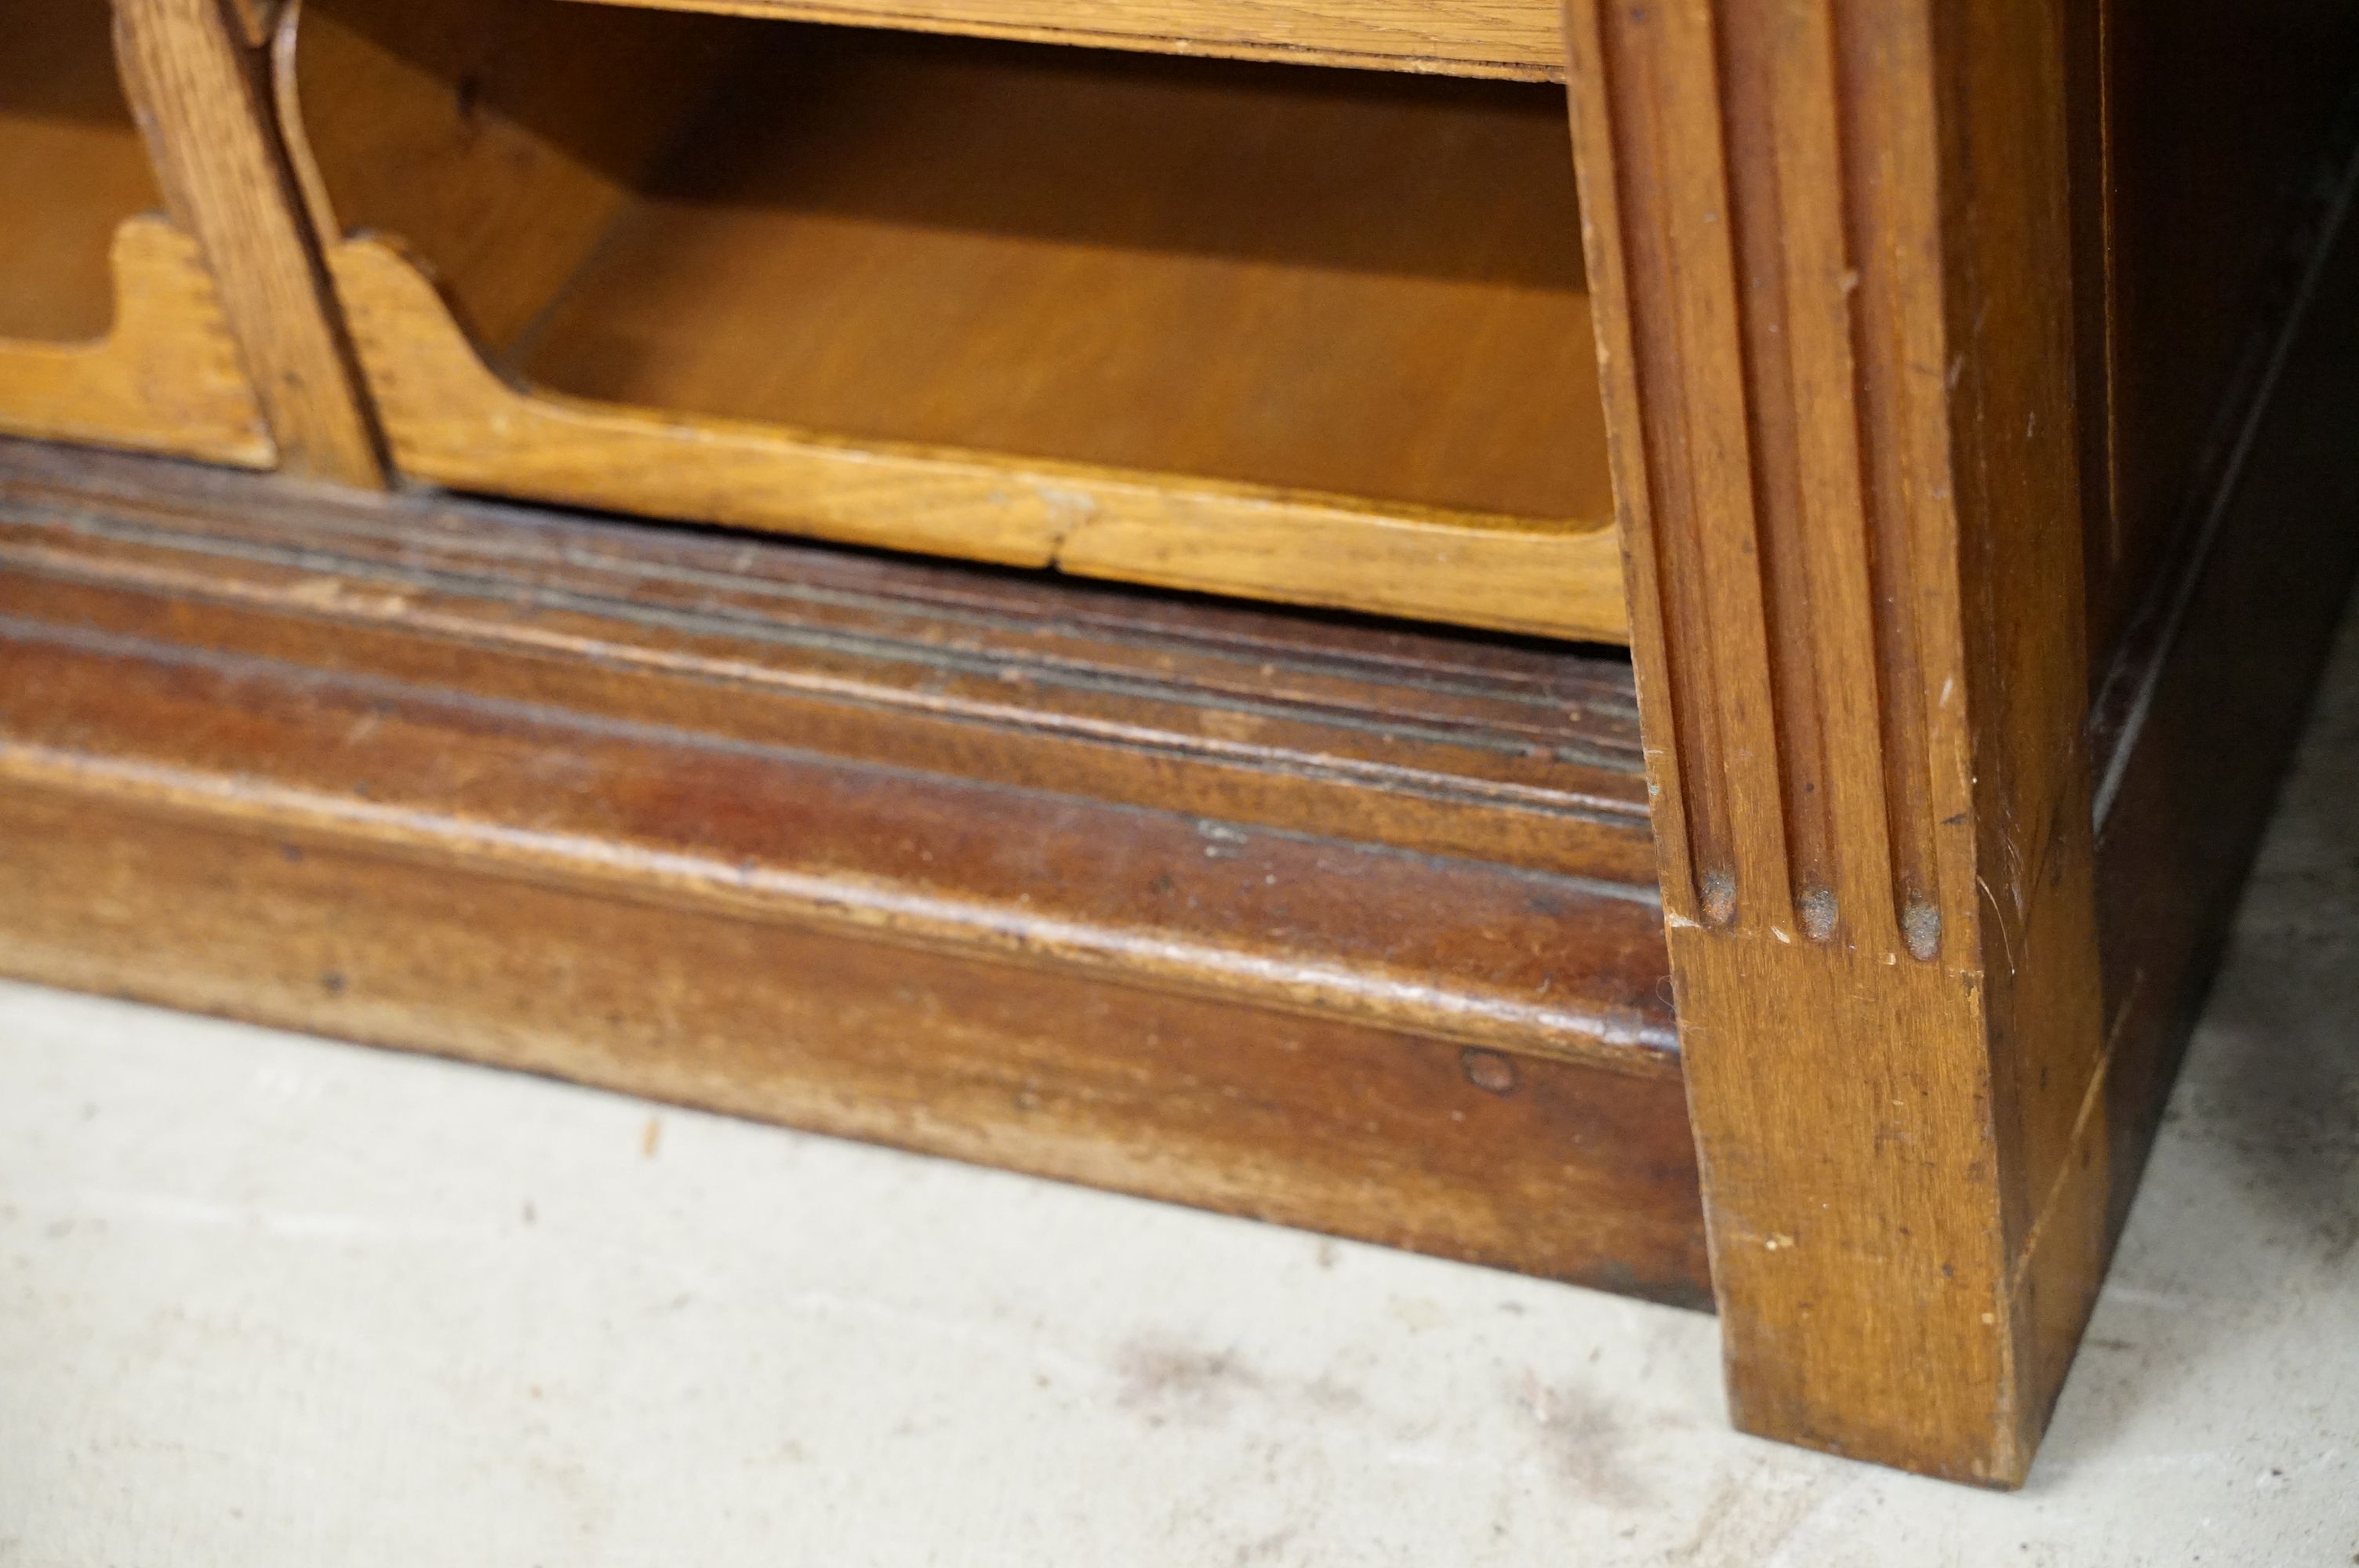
x=2207, y=122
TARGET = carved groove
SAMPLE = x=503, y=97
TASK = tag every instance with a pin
x=1790, y=478
x=1903, y=465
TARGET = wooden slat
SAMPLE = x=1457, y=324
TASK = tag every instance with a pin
x=453, y=421
x=1519, y=39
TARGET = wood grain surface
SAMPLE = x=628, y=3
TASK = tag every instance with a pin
x=1529, y=756
x=2197, y=716
x=71, y=170
x=1228, y=328
x=419, y=776
x=194, y=85
x=165, y=377
x=110, y=328
x=2210, y=129
x=1519, y=39
x=1826, y=248
x=254, y=19
x=1575, y=1174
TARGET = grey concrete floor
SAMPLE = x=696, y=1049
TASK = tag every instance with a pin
x=267, y=1300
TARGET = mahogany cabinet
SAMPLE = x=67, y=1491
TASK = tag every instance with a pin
x=1644, y=644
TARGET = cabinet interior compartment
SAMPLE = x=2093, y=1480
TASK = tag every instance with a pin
x=111, y=330
x=1297, y=333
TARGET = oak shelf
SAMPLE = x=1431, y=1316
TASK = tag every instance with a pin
x=1312, y=335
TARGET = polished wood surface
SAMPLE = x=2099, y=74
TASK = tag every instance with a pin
x=165, y=377
x=1575, y=1174
x=1456, y=747
x=111, y=329
x=71, y=170
x=254, y=19
x=199, y=92
x=1519, y=39
x=2211, y=126
x=1245, y=328
x=418, y=773
x=1826, y=247
x=1975, y=394
x=2198, y=717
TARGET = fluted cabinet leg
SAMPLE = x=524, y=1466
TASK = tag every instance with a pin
x=1828, y=247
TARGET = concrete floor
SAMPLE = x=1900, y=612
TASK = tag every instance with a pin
x=265, y=1299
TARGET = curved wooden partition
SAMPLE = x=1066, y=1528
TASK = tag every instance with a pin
x=110, y=330
x=1310, y=336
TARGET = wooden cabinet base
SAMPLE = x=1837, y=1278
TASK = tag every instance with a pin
x=1982, y=478
x=164, y=378
x=811, y=838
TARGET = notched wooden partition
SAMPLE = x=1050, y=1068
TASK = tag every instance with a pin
x=111, y=332
x=1306, y=335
